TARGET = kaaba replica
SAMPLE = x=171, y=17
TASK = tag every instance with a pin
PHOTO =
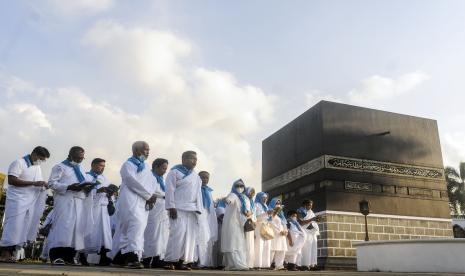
x=338, y=155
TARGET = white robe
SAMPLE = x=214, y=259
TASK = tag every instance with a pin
x=157, y=231
x=24, y=206
x=48, y=220
x=69, y=225
x=233, y=243
x=136, y=189
x=98, y=233
x=279, y=243
x=217, y=255
x=309, y=250
x=183, y=194
x=262, y=247
x=250, y=238
x=208, y=235
x=298, y=240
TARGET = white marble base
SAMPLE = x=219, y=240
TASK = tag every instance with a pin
x=424, y=255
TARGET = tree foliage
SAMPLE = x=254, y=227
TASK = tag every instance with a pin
x=455, y=188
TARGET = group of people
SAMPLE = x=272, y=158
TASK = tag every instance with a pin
x=150, y=220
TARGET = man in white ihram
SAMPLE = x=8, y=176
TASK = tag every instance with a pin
x=25, y=202
x=184, y=202
x=208, y=224
x=135, y=200
x=69, y=186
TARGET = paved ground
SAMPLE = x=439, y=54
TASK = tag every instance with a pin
x=46, y=270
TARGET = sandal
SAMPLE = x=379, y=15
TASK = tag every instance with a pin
x=58, y=261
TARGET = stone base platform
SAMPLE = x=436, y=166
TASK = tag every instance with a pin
x=340, y=230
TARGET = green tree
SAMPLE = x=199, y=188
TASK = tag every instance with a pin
x=455, y=188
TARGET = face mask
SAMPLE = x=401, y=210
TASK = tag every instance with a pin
x=73, y=163
x=141, y=158
x=294, y=218
x=38, y=162
x=240, y=190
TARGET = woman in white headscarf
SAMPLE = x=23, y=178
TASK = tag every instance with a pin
x=233, y=244
x=279, y=243
x=262, y=246
x=250, y=235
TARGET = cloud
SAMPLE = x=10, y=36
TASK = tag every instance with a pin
x=453, y=147
x=181, y=107
x=377, y=88
x=31, y=114
x=77, y=7
x=147, y=56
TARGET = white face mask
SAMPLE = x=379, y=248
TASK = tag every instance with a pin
x=294, y=218
x=38, y=162
x=141, y=158
x=240, y=190
x=74, y=163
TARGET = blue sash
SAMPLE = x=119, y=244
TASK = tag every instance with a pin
x=140, y=165
x=77, y=170
x=181, y=168
x=28, y=160
x=206, y=196
x=160, y=180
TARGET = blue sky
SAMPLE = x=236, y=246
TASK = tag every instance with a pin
x=218, y=76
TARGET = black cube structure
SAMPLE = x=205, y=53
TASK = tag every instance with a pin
x=337, y=155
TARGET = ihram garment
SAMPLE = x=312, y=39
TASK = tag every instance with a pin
x=298, y=236
x=309, y=250
x=137, y=187
x=208, y=233
x=98, y=233
x=24, y=205
x=183, y=193
x=157, y=231
x=68, y=228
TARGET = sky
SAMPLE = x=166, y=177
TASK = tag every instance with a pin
x=218, y=77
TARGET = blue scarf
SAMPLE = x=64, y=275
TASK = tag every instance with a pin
x=295, y=223
x=77, y=170
x=160, y=180
x=240, y=196
x=93, y=174
x=248, y=191
x=206, y=196
x=185, y=171
x=273, y=203
x=258, y=199
x=140, y=165
x=221, y=204
x=28, y=160
x=302, y=212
